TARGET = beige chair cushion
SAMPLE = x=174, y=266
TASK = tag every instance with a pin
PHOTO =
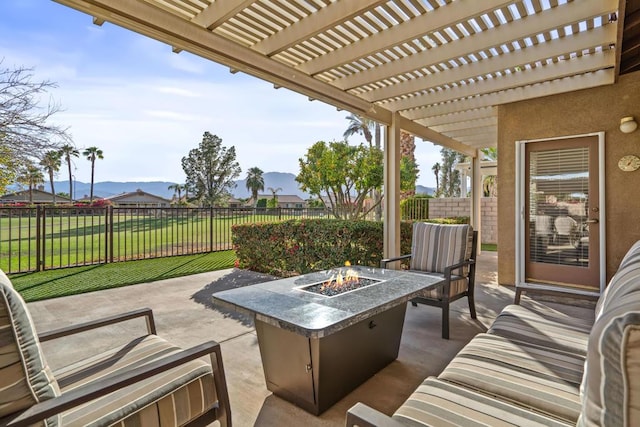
x=25, y=377
x=171, y=398
x=436, y=246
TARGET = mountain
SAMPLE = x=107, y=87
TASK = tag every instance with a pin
x=112, y=188
x=285, y=181
x=421, y=189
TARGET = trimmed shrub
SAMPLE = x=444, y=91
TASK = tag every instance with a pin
x=301, y=246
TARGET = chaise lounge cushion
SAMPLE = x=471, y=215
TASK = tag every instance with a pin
x=532, y=376
x=611, y=385
x=171, y=398
x=540, y=324
x=442, y=404
x=25, y=377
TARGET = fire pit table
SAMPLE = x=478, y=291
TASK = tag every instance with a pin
x=318, y=347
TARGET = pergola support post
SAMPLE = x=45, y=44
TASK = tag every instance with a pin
x=392, y=189
x=476, y=197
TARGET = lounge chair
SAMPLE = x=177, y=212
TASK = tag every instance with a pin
x=147, y=382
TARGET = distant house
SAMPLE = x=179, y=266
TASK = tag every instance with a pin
x=234, y=203
x=38, y=197
x=284, y=200
x=139, y=199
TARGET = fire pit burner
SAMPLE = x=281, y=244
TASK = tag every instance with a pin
x=339, y=284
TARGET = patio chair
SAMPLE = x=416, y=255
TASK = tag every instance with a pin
x=567, y=229
x=147, y=382
x=448, y=251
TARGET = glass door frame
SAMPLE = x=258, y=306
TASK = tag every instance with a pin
x=521, y=206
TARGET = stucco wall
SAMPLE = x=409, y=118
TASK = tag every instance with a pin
x=458, y=206
x=576, y=113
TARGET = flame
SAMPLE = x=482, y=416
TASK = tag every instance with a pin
x=338, y=281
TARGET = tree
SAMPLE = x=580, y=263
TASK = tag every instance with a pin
x=408, y=175
x=51, y=163
x=408, y=167
x=436, y=170
x=342, y=174
x=25, y=131
x=68, y=151
x=273, y=202
x=449, y=176
x=211, y=169
x=490, y=182
x=255, y=183
x=31, y=176
x=177, y=189
x=362, y=126
x=91, y=154
x=359, y=125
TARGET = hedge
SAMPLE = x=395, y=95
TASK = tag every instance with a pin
x=301, y=246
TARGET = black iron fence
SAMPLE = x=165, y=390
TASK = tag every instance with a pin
x=47, y=237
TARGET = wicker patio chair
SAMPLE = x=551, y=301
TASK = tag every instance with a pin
x=448, y=251
x=147, y=382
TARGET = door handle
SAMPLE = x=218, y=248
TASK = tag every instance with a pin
x=592, y=221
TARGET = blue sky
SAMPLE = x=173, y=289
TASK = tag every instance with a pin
x=146, y=106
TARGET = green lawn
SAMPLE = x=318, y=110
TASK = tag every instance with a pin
x=491, y=247
x=71, y=240
x=76, y=280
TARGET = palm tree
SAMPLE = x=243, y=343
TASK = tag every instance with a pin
x=274, y=191
x=185, y=188
x=255, y=183
x=92, y=153
x=177, y=189
x=361, y=126
x=436, y=170
x=68, y=151
x=31, y=176
x=51, y=163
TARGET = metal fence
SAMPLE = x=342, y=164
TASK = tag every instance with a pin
x=46, y=237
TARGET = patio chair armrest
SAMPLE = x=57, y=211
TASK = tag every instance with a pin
x=94, y=390
x=448, y=269
x=384, y=262
x=362, y=415
x=94, y=324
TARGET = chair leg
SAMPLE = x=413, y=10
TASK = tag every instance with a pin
x=472, y=305
x=517, y=298
x=445, y=321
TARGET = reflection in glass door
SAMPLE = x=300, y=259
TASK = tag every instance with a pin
x=562, y=212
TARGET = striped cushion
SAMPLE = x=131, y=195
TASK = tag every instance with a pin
x=436, y=246
x=626, y=274
x=539, y=324
x=171, y=398
x=546, y=380
x=611, y=385
x=25, y=378
x=442, y=404
x=458, y=285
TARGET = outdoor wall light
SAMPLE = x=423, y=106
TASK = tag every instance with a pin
x=628, y=124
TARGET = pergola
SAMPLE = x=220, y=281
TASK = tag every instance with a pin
x=437, y=69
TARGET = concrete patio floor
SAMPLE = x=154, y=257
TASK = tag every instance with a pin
x=184, y=315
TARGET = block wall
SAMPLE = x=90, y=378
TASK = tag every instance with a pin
x=456, y=206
